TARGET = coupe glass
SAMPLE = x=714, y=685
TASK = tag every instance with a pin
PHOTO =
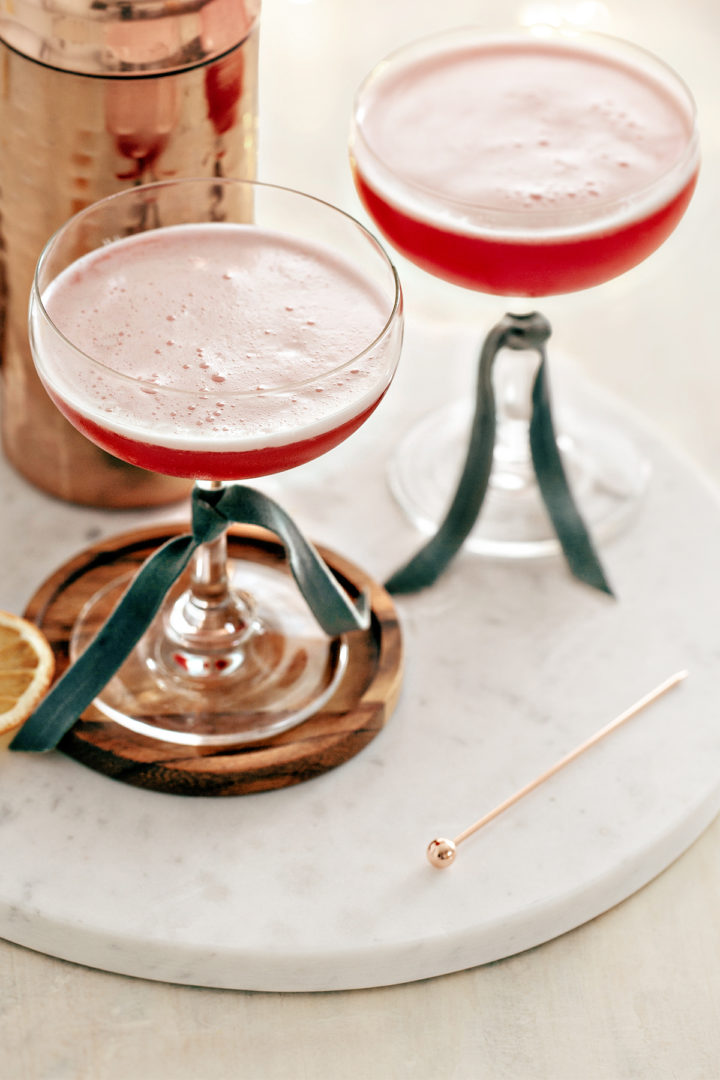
x=216, y=330
x=524, y=164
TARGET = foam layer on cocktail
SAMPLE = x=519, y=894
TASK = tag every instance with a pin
x=217, y=339
x=469, y=151
x=527, y=127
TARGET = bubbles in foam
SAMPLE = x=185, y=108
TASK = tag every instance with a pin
x=497, y=112
x=287, y=325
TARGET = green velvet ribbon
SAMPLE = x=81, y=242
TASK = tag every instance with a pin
x=425, y=567
x=212, y=511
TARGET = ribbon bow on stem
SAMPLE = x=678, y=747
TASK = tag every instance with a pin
x=212, y=511
x=425, y=567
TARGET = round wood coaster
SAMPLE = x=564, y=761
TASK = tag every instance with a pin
x=356, y=713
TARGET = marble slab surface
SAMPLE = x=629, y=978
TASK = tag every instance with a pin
x=508, y=666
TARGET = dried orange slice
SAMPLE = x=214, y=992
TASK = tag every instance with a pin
x=27, y=665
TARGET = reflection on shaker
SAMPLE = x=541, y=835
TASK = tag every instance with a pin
x=141, y=114
x=224, y=79
x=141, y=118
x=223, y=90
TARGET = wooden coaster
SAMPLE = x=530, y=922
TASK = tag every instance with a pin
x=354, y=715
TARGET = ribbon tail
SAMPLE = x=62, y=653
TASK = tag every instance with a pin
x=426, y=566
x=572, y=533
x=333, y=608
x=83, y=681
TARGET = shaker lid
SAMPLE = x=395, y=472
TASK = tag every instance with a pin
x=116, y=38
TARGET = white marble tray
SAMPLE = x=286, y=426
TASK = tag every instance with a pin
x=325, y=886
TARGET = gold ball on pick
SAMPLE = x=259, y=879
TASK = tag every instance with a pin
x=440, y=852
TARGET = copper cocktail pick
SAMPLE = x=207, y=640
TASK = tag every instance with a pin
x=441, y=852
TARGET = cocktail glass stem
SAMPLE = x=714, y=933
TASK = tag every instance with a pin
x=207, y=626
x=513, y=378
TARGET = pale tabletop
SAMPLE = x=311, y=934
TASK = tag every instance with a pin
x=636, y=992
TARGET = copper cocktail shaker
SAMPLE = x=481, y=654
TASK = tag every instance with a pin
x=97, y=95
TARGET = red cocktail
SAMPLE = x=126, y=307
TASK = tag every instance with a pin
x=523, y=165
x=217, y=350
